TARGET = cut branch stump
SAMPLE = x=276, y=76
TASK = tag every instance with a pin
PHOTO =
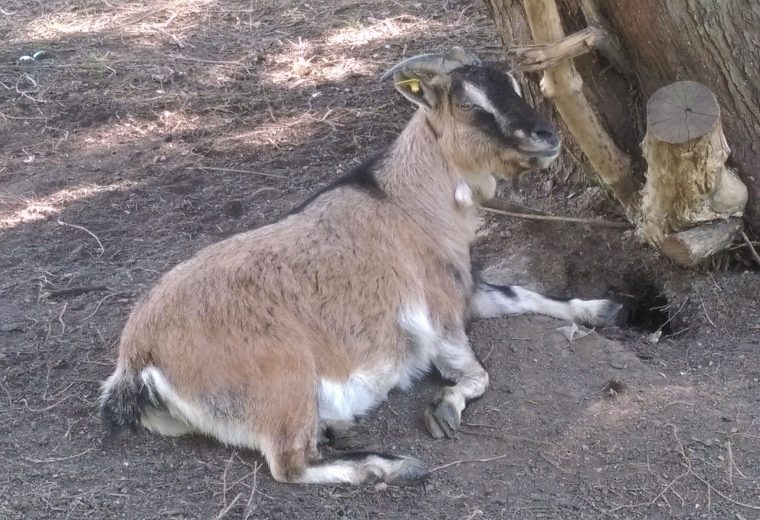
x=689, y=248
x=687, y=181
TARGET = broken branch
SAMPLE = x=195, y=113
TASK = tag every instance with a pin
x=535, y=57
x=564, y=86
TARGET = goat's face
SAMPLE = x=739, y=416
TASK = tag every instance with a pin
x=486, y=127
x=481, y=121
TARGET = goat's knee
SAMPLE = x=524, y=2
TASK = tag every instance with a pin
x=443, y=418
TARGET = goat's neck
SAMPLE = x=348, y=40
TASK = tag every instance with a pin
x=418, y=178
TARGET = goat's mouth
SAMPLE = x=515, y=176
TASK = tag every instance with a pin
x=540, y=157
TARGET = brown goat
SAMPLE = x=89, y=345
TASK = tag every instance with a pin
x=275, y=337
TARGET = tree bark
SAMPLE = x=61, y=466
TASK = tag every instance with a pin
x=714, y=42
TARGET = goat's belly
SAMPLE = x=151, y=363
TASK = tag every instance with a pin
x=362, y=391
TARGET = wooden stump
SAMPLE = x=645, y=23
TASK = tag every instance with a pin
x=682, y=111
x=687, y=180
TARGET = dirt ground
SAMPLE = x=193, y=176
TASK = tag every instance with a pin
x=153, y=128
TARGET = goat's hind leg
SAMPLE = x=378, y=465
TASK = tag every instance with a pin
x=492, y=301
x=292, y=464
x=292, y=457
x=456, y=361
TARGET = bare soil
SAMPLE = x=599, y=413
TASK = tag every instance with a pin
x=152, y=129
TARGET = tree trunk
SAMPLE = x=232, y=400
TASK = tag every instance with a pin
x=713, y=42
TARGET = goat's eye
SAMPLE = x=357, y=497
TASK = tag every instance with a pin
x=466, y=106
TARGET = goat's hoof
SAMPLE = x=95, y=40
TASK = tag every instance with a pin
x=443, y=420
x=608, y=312
x=409, y=470
x=598, y=313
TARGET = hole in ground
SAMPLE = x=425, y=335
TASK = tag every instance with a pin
x=648, y=310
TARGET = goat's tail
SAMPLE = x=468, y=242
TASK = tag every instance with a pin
x=122, y=400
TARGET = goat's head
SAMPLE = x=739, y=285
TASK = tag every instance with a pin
x=483, y=124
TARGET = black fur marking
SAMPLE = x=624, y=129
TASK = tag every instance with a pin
x=506, y=290
x=361, y=455
x=361, y=178
x=123, y=405
x=558, y=298
x=497, y=87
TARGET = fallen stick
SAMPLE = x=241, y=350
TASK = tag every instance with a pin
x=234, y=170
x=93, y=235
x=573, y=220
x=73, y=291
x=751, y=247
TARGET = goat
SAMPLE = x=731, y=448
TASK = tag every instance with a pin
x=277, y=337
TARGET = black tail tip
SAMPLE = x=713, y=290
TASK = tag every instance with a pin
x=122, y=405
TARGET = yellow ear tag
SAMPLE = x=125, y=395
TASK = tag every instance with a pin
x=413, y=84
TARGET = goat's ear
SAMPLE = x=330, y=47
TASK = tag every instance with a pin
x=417, y=88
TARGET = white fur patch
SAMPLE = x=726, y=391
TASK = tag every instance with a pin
x=463, y=195
x=365, y=389
x=478, y=97
x=354, y=397
x=358, y=471
x=195, y=416
x=515, y=84
x=339, y=472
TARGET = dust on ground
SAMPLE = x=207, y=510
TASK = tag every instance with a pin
x=151, y=129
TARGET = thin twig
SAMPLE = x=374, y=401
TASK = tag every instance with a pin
x=710, y=487
x=224, y=478
x=685, y=300
x=233, y=170
x=99, y=304
x=707, y=315
x=60, y=317
x=751, y=247
x=46, y=408
x=227, y=509
x=553, y=463
x=248, y=508
x=7, y=393
x=93, y=235
x=595, y=222
x=264, y=190
x=466, y=461
x=58, y=459
x=661, y=494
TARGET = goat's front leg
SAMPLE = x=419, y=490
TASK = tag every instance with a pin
x=492, y=301
x=456, y=361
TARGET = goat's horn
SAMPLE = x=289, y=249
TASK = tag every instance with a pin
x=464, y=56
x=435, y=63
